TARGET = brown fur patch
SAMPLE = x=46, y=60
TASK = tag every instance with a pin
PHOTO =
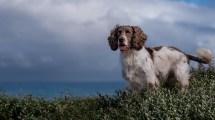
x=150, y=51
x=112, y=39
x=174, y=48
x=138, y=39
x=157, y=48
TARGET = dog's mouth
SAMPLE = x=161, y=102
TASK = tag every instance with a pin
x=123, y=47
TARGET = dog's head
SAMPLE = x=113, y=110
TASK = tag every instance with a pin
x=127, y=37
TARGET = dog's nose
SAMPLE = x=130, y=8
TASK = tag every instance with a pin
x=121, y=39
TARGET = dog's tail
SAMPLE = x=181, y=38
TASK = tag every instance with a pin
x=205, y=56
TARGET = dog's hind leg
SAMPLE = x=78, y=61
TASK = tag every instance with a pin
x=181, y=71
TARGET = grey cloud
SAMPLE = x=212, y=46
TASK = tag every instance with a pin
x=31, y=53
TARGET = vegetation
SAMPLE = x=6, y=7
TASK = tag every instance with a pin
x=196, y=103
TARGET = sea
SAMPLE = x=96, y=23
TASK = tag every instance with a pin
x=52, y=90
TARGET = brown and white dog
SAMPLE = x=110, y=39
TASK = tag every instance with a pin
x=142, y=66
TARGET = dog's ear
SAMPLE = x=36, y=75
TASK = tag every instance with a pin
x=112, y=39
x=139, y=38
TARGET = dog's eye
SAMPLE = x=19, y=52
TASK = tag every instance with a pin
x=119, y=31
x=127, y=31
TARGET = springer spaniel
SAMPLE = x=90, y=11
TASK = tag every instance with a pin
x=144, y=67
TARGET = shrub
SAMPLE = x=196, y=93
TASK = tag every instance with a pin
x=198, y=102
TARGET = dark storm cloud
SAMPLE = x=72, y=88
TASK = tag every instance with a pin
x=30, y=52
x=26, y=49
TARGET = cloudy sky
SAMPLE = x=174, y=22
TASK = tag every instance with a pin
x=66, y=40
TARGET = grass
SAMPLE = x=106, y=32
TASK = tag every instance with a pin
x=196, y=103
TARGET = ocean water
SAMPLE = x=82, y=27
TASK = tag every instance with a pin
x=49, y=90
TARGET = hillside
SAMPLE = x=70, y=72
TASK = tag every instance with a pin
x=198, y=102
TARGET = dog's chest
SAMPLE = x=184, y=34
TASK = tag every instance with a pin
x=133, y=66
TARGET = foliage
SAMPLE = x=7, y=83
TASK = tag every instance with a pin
x=196, y=103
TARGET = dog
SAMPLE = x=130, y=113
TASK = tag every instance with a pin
x=144, y=67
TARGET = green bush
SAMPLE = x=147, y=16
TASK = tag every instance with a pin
x=196, y=103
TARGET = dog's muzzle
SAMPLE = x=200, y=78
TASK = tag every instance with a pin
x=123, y=45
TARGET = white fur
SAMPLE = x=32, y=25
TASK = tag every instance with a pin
x=141, y=71
x=204, y=53
x=137, y=65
